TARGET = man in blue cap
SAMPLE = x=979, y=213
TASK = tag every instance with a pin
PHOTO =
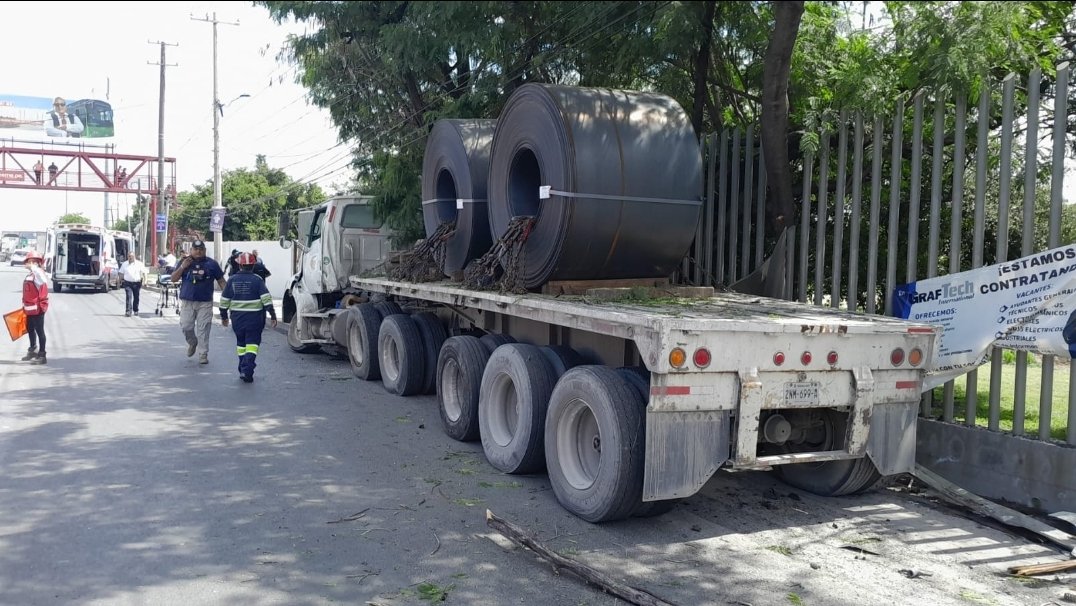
x=197, y=272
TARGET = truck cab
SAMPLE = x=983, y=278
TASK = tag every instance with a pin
x=335, y=240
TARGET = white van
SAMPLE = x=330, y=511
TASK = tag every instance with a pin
x=81, y=256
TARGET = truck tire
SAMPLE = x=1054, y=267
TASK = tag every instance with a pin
x=562, y=358
x=401, y=355
x=57, y=287
x=593, y=444
x=459, y=381
x=639, y=380
x=388, y=308
x=512, y=404
x=433, y=337
x=362, y=329
x=294, y=338
x=494, y=340
x=830, y=478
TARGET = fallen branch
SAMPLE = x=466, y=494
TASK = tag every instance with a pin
x=1048, y=568
x=350, y=518
x=522, y=538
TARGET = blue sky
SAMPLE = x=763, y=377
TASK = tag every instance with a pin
x=103, y=49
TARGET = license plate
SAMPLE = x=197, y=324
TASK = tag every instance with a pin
x=805, y=393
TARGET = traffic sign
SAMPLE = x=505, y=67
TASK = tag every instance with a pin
x=162, y=224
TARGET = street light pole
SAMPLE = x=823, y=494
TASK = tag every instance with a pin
x=218, y=204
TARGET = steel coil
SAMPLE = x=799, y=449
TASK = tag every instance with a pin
x=614, y=179
x=454, y=172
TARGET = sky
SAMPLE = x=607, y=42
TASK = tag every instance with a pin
x=104, y=50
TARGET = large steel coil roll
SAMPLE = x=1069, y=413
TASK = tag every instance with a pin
x=454, y=173
x=614, y=179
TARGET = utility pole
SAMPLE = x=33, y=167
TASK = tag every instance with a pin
x=159, y=246
x=218, y=203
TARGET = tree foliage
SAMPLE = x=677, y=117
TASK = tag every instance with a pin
x=386, y=70
x=74, y=218
x=253, y=200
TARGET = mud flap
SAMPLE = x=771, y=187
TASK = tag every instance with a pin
x=683, y=450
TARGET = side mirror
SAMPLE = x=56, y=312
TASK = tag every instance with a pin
x=283, y=224
x=285, y=243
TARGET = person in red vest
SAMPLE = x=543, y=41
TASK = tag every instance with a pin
x=35, y=302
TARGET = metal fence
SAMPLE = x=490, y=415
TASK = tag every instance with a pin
x=881, y=205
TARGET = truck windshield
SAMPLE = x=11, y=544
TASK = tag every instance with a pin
x=359, y=216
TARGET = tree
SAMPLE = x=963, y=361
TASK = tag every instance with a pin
x=74, y=218
x=253, y=200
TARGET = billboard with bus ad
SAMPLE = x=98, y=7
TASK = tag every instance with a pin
x=37, y=118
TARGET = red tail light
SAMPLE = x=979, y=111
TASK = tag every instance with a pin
x=778, y=358
x=702, y=357
x=831, y=358
x=897, y=357
x=805, y=358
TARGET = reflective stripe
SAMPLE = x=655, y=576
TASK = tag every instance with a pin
x=240, y=350
x=245, y=305
x=29, y=307
x=252, y=349
x=225, y=302
x=266, y=299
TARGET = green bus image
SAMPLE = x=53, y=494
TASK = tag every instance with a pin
x=96, y=116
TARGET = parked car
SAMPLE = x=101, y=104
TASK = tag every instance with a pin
x=18, y=257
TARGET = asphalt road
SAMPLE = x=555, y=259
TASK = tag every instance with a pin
x=129, y=474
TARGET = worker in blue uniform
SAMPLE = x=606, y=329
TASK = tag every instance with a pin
x=247, y=298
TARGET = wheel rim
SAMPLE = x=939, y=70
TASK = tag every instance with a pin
x=503, y=410
x=452, y=379
x=579, y=445
x=390, y=361
x=293, y=332
x=354, y=345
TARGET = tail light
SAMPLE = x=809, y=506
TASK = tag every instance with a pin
x=779, y=358
x=915, y=357
x=831, y=358
x=677, y=358
x=702, y=357
x=897, y=357
x=805, y=358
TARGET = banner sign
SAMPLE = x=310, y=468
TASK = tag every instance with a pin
x=8, y=174
x=161, y=223
x=1028, y=304
x=38, y=118
x=216, y=222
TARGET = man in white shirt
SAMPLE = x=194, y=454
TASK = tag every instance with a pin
x=133, y=273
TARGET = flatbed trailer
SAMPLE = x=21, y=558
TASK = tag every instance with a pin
x=634, y=404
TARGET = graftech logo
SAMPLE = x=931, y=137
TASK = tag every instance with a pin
x=949, y=290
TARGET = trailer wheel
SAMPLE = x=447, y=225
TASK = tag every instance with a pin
x=388, y=308
x=829, y=478
x=295, y=341
x=459, y=381
x=362, y=329
x=494, y=340
x=402, y=358
x=593, y=444
x=433, y=337
x=516, y=386
x=562, y=358
x=639, y=380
